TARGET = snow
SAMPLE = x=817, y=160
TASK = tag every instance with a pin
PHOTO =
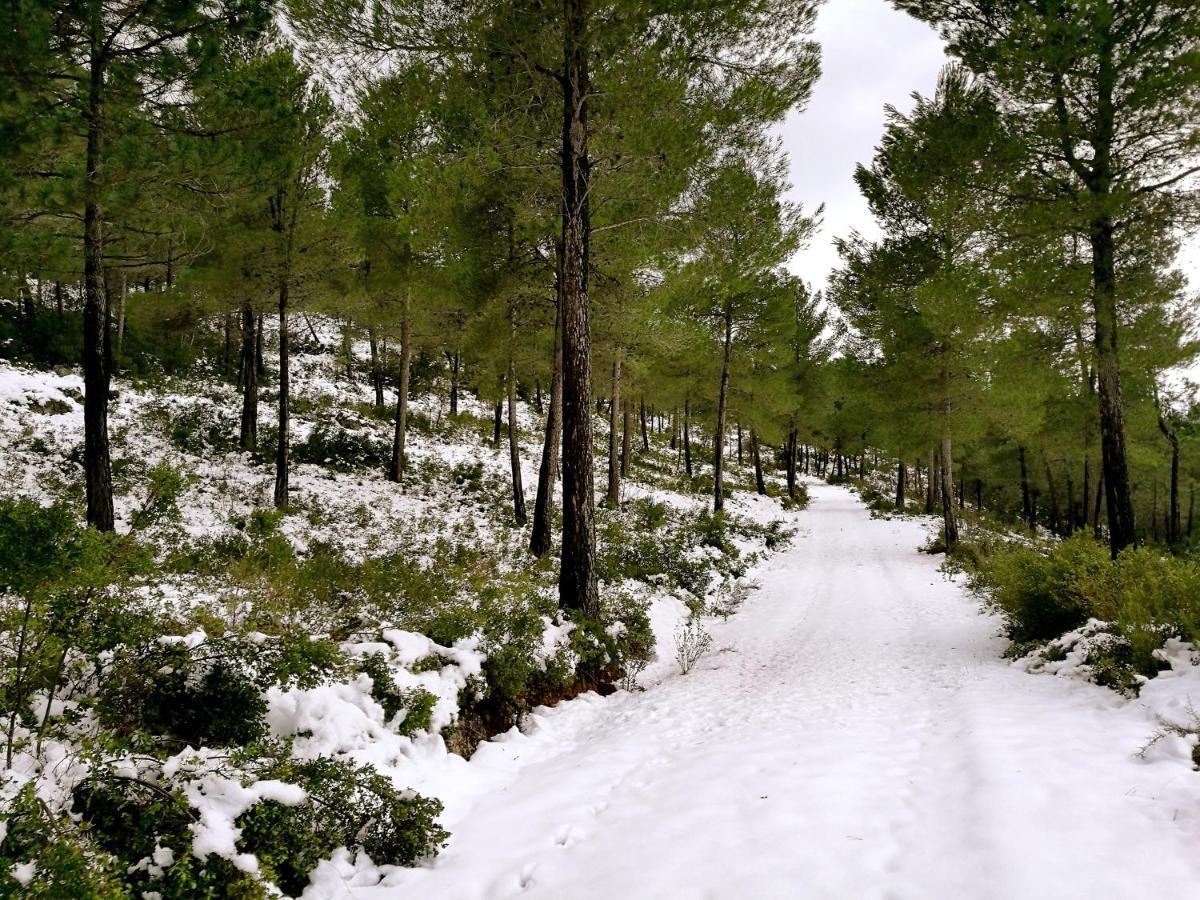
x=855, y=733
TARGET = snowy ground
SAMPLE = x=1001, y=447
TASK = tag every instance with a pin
x=855, y=733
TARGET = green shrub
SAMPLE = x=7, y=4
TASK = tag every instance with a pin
x=341, y=449
x=346, y=806
x=68, y=863
x=1040, y=594
x=416, y=704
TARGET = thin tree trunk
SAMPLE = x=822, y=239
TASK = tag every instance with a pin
x=1027, y=510
x=1173, y=524
x=400, y=435
x=514, y=447
x=260, y=364
x=756, y=456
x=376, y=368
x=687, y=438
x=540, y=539
x=645, y=434
x=626, y=439
x=455, y=363
x=739, y=443
x=790, y=462
x=949, y=522
x=719, y=435
x=1096, y=507
x=248, y=429
x=613, y=495
x=901, y=476
x=281, y=447
x=930, y=484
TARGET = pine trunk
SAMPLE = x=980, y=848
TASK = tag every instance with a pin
x=97, y=465
x=613, y=496
x=248, y=430
x=514, y=447
x=901, y=476
x=400, y=435
x=949, y=522
x=376, y=368
x=540, y=539
x=577, y=585
x=719, y=435
x=687, y=438
x=281, y=446
x=756, y=456
x=626, y=439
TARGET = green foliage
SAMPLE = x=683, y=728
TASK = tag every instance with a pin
x=346, y=806
x=341, y=449
x=416, y=704
x=1040, y=594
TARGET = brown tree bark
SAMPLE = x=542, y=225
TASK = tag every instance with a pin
x=376, y=368
x=97, y=464
x=281, y=446
x=756, y=456
x=949, y=521
x=577, y=586
x=540, y=539
x=248, y=428
x=687, y=438
x=400, y=434
x=612, y=496
x=514, y=446
x=719, y=434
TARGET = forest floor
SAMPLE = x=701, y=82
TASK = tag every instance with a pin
x=853, y=733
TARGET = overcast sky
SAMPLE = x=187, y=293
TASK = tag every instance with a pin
x=871, y=55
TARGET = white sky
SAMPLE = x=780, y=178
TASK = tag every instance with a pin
x=871, y=55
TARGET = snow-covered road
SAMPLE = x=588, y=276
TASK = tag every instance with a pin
x=854, y=733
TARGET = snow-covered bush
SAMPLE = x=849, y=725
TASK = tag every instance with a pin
x=692, y=642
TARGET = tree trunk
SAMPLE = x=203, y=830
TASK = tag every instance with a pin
x=674, y=429
x=949, y=522
x=248, y=430
x=756, y=456
x=514, y=447
x=687, y=437
x=1173, y=523
x=930, y=484
x=901, y=476
x=719, y=435
x=497, y=419
x=577, y=585
x=455, y=363
x=645, y=435
x=1121, y=526
x=790, y=462
x=540, y=539
x=1096, y=507
x=613, y=496
x=739, y=443
x=97, y=465
x=281, y=447
x=400, y=435
x=1027, y=510
x=260, y=365
x=626, y=439
x=376, y=368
